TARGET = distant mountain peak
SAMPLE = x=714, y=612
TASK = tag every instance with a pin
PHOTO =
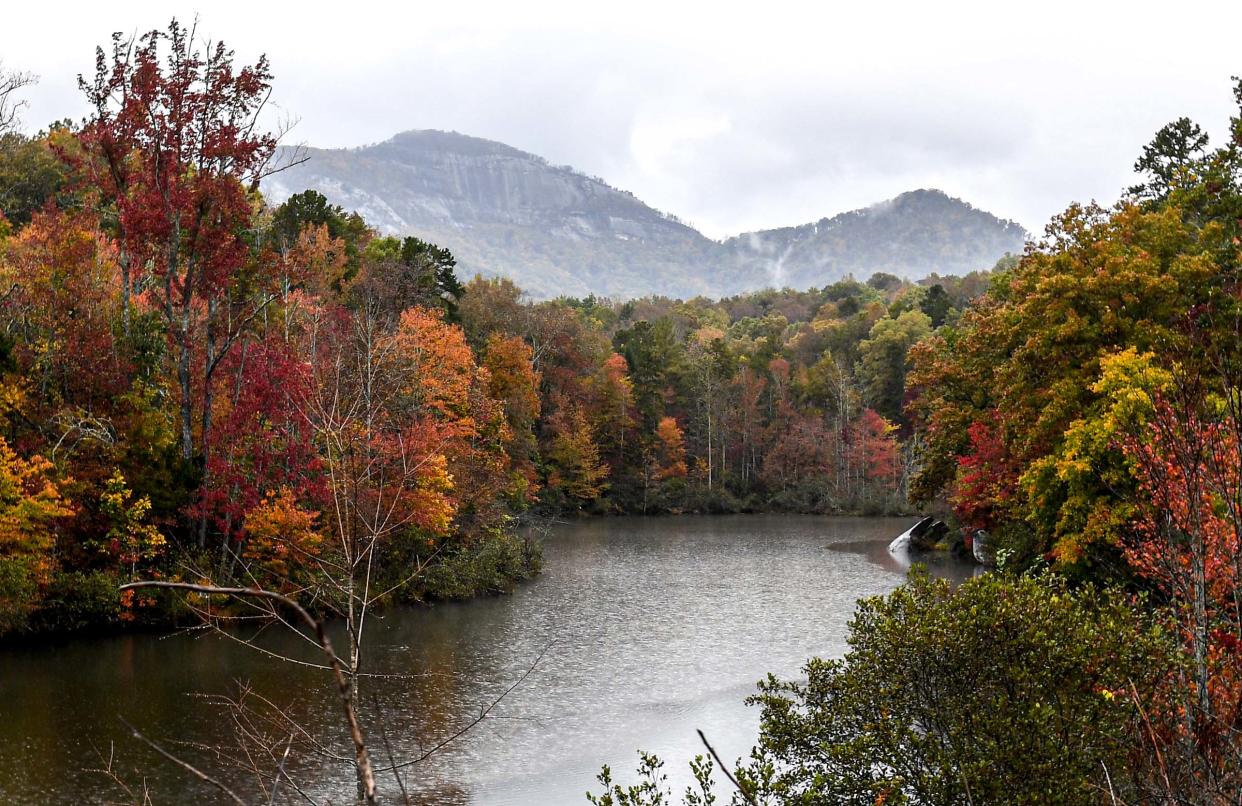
x=554, y=230
x=924, y=193
x=453, y=142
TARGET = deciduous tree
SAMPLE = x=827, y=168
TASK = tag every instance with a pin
x=30, y=506
x=174, y=146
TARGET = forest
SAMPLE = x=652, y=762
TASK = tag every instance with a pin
x=189, y=375
x=201, y=391
x=1084, y=411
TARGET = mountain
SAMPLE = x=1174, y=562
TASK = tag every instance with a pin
x=911, y=236
x=555, y=231
x=502, y=211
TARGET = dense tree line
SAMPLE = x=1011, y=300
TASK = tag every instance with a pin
x=775, y=400
x=1086, y=411
x=196, y=384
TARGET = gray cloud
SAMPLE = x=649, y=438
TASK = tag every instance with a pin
x=736, y=118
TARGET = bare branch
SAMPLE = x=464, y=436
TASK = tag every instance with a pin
x=190, y=768
x=362, y=758
x=280, y=771
x=483, y=714
x=723, y=768
x=392, y=760
x=10, y=105
x=79, y=427
x=108, y=770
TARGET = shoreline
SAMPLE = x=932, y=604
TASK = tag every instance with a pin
x=152, y=624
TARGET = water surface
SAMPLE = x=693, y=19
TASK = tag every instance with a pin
x=649, y=629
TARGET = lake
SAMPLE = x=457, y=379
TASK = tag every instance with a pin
x=650, y=628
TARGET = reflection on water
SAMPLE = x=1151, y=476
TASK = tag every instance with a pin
x=938, y=563
x=651, y=628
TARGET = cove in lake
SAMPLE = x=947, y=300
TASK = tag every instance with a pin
x=650, y=628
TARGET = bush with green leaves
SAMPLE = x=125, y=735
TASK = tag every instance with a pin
x=651, y=789
x=495, y=561
x=1003, y=690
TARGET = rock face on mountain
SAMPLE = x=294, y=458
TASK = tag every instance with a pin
x=502, y=211
x=553, y=230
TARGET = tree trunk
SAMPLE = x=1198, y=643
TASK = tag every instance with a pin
x=187, y=405
x=209, y=358
x=125, y=291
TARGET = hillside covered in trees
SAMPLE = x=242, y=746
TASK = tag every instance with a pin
x=1084, y=415
x=196, y=383
x=207, y=392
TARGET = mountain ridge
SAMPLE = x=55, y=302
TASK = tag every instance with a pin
x=557, y=231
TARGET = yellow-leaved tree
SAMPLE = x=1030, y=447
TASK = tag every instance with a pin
x=30, y=504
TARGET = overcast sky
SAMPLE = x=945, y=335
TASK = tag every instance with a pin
x=733, y=117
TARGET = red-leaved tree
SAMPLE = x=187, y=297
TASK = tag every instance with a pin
x=1188, y=462
x=174, y=148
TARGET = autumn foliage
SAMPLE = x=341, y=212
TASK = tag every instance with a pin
x=1086, y=408
x=194, y=380
x=30, y=505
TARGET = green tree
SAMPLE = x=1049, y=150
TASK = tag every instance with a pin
x=311, y=208
x=655, y=358
x=883, y=361
x=1005, y=690
x=1172, y=158
x=413, y=272
x=31, y=173
x=936, y=304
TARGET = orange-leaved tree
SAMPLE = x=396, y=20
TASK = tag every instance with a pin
x=30, y=505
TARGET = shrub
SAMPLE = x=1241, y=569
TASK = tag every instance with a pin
x=1004, y=690
x=493, y=562
x=18, y=591
x=78, y=600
